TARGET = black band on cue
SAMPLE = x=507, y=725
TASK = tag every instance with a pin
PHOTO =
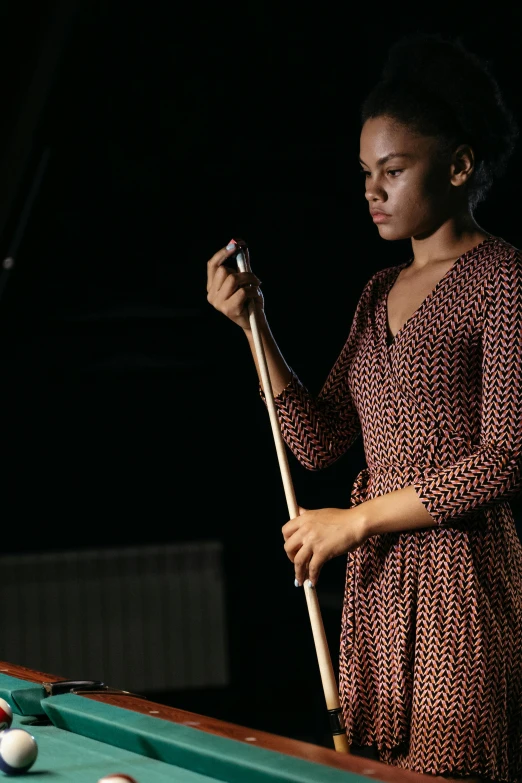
x=336, y=718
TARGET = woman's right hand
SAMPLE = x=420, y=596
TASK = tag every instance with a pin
x=229, y=291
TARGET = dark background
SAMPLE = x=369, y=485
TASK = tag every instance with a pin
x=150, y=134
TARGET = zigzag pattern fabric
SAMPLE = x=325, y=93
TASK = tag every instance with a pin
x=430, y=668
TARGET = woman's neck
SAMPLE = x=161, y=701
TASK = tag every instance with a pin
x=447, y=242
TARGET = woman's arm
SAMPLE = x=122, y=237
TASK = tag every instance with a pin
x=318, y=430
x=491, y=473
x=230, y=291
x=278, y=370
x=318, y=535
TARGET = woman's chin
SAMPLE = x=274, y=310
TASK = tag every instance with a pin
x=386, y=231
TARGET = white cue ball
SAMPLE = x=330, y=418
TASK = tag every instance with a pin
x=18, y=751
x=6, y=715
x=118, y=777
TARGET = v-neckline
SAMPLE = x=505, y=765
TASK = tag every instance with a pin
x=391, y=340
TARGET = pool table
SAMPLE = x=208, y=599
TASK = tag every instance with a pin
x=83, y=735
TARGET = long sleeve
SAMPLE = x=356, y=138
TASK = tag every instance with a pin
x=319, y=430
x=491, y=473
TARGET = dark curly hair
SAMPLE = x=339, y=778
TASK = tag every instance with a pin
x=437, y=87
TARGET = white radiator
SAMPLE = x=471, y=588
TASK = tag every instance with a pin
x=141, y=618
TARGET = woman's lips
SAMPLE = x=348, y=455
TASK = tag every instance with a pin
x=380, y=217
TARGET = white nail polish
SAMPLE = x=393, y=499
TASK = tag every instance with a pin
x=296, y=583
x=230, y=246
x=309, y=583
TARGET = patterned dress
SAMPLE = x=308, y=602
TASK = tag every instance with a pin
x=430, y=668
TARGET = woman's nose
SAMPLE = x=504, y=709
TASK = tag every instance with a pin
x=374, y=192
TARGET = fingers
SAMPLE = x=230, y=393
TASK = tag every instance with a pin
x=233, y=306
x=217, y=261
x=307, y=566
x=301, y=560
x=299, y=551
x=228, y=290
x=289, y=528
x=225, y=294
x=216, y=278
x=303, y=550
x=215, y=269
x=293, y=524
x=225, y=252
x=246, y=279
x=314, y=567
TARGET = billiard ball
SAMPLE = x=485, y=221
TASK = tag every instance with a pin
x=6, y=715
x=118, y=777
x=18, y=751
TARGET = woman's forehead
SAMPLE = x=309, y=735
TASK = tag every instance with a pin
x=382, y=137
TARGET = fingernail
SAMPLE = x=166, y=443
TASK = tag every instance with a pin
x=231, y=245
x=309, y=583
x=296, y=583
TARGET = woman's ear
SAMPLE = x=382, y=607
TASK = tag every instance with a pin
x=462, y=165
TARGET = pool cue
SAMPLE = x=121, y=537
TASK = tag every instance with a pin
x=331, y=693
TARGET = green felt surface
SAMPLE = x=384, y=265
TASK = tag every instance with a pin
x=81, y=740
x=24, y=697
x=216, y=757
x=63, y=756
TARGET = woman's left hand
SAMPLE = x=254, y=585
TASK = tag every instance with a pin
x=318, y=535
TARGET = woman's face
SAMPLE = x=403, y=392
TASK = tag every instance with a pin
x=407, y=181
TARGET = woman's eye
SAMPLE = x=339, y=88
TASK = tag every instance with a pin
x=391, y=172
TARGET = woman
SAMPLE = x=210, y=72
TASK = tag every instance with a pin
x=430, y=669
